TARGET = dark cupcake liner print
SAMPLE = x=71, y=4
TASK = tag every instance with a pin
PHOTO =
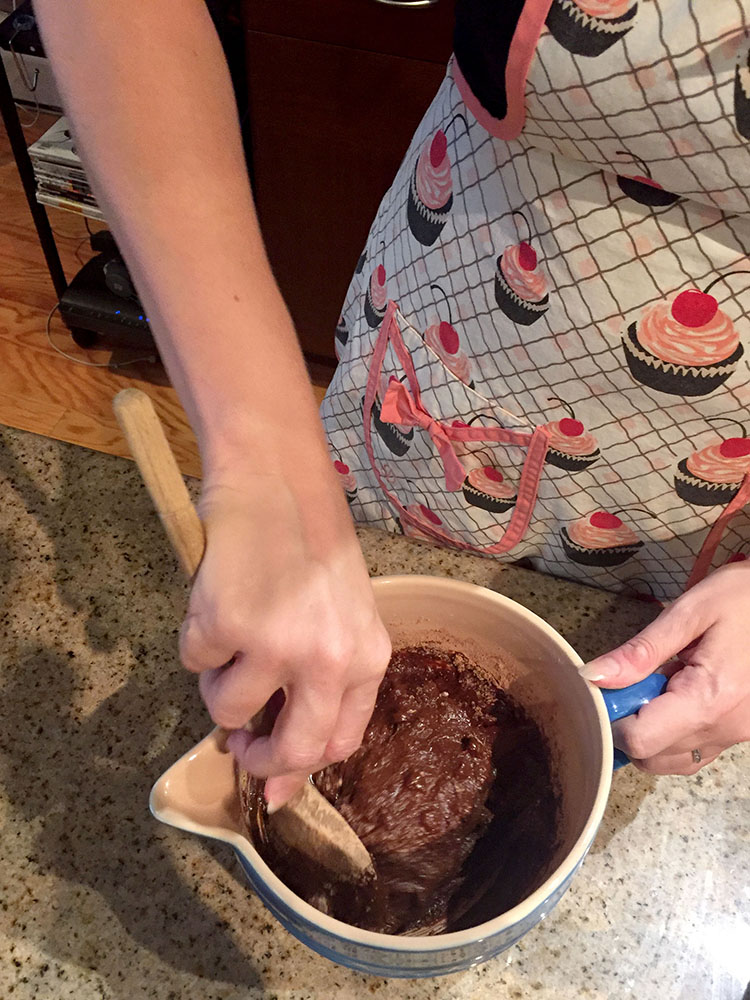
x=373, y=315
x=515, y=308
x=342, y=332
x=675, y=379
x=584, y=35
x=425, y=223
x=396, y=441
x=701, y=493
x=571, y=463
x=615, y=555
x=478, y=498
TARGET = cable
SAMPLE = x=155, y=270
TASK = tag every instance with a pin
x=77, y=250
x=89, y=230
x=89, y=364
x=35, y=119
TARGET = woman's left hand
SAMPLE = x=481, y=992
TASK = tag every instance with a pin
x=706, y=705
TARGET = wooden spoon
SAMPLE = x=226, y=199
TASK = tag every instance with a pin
x=308, y=822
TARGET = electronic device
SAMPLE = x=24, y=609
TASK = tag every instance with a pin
x=101, y=300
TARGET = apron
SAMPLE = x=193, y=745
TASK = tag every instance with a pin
x=543, y=351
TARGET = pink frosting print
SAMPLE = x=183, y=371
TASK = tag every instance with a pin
x=601, y=531
x=378, y=293
x=688, y=331
x=433, y=174
x=490, y=481
x=570, y=437
x=728, y=462
x=518, y=266
x=604, y=8
x=443, y=340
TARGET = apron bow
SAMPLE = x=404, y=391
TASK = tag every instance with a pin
x=400, y=407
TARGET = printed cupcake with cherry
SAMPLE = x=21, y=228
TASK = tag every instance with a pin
x=443, y=340
x=376, y=298
x=571, y=446
x=342, y=336
x=600, y=539
x=347, y=480
x=430, y=197
x=521, y=289
x=713, y=476
x=590, y=27
x=643, y=188
x=686, y=347
x=485, y=486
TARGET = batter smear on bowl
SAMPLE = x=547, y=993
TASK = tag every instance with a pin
x=451, y=792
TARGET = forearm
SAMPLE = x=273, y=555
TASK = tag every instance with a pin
x=156, y=122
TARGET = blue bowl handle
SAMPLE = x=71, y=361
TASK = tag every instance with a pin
x=625, y=701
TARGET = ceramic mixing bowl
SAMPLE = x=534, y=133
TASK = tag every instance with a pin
x=528, y=658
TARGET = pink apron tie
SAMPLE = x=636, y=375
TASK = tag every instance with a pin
x=400, y=407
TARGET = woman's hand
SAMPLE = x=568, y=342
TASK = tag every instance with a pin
x=706, y=706
x=283, y=590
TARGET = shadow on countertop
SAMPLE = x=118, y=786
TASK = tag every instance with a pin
x=94, y=707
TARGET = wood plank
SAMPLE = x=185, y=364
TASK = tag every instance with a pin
x=29, y=413
x=95, y=431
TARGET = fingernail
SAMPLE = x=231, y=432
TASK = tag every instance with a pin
x=592, y=673
x=273, y=806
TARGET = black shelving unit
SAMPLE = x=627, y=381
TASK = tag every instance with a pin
x=18, y=32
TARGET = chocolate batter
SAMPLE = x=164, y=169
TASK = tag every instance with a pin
x=452, y=794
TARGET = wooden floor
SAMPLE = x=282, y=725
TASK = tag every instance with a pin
x=40, y=390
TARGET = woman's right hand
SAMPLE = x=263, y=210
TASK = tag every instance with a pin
x=284, y=593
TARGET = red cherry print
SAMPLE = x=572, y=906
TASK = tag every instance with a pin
x=448, y=338
x=527, y=257
x=438, y=148
x=694, y=308
x=380, y=274
x=570, y=428
x=601, y=519
x=492, y=473
x=737, y=557
x=459, y=423
x=735, y=447
x=343, y=470
x=429, y=515
x=647, y=180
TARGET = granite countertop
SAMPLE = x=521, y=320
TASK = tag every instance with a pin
x=97, y=900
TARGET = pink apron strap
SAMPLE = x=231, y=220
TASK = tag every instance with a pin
x=708, y=550
x=536, y=442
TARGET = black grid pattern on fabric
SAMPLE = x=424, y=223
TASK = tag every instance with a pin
x=607, y=258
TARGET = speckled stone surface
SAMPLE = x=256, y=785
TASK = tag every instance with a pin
x=97, y=900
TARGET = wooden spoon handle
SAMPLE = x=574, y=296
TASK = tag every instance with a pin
x=149, y=446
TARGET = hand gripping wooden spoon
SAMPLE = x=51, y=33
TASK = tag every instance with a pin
x=308, y=822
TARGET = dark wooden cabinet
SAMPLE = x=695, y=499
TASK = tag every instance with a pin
x=336, y=89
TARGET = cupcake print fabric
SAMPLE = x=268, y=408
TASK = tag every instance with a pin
x=563, y=295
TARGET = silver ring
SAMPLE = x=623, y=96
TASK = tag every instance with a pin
x=697, y=757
